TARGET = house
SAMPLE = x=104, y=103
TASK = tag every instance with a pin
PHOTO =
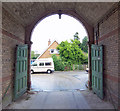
x=51, y=49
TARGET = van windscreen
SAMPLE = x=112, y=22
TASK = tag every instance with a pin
x=34, y=64
x=48, y=63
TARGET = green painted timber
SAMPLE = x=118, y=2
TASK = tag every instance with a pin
x=20, y=81
x=97, y=69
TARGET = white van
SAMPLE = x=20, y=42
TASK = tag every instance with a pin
x=43, y=65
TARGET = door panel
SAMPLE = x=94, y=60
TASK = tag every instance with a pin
x=20, y=82
x=97, y=69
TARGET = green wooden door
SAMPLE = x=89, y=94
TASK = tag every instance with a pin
x=97, y=69
x=20, y=82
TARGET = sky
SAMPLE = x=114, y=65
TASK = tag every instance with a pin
x=57, y=29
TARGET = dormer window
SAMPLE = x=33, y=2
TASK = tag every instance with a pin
x=54, y=51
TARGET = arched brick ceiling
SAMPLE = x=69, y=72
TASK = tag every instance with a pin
x=27, y=12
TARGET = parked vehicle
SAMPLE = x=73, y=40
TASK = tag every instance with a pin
x=43, y=65
x=32, y=60
x=87, y=69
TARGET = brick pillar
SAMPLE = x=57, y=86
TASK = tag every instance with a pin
x=0, y=56
x=119, y=56
x=29, y=63
x=91, y=41
x=89, y=65
x=28, y=31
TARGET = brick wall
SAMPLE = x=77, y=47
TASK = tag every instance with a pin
x=119, y=55
x=108, y=37
x=47, y=54
x=13, y=34
x=0, y=56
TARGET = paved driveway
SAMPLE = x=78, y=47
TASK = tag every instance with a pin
x=58, y=81
x=60, y=90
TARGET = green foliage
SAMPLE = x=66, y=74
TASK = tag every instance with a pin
x=58, y=63
x=61, y=65
x=70, y=52
x=68, y=66
x=65, y=51
x=33, y=55
x=76, y=37
x=84, y=46
x=85, y=59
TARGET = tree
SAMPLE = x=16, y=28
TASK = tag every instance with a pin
x=58, y=63
x=33, y=55
x=64, y=50
x=76, y=37
x=71, y=52
x=85, y=58
x=83, y=45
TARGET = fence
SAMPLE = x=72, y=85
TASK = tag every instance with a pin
x=80, y=67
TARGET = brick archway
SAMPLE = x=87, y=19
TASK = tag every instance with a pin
x=19, y=19
x=88, y=27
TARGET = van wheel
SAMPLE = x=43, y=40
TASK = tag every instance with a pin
x=48, y=71
x=32, y=71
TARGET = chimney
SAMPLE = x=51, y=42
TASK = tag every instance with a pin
x=49, y=42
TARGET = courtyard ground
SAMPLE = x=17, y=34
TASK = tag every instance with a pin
x=60, y=90
x=58, y=81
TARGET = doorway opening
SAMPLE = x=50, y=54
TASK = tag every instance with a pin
x=64, y=39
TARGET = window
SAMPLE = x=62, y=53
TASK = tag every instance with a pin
x=54, y=51
x=48, y=63
x=41, y=64
x=34, y=64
